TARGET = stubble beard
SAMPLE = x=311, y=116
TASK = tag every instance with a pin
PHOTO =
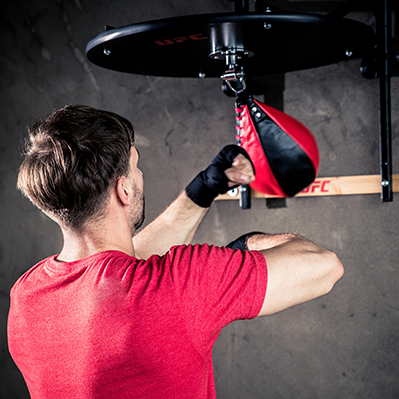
x=137, y=211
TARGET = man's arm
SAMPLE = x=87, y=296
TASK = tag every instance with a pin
x=179, y=222
x=175, y=226
x=298, y=270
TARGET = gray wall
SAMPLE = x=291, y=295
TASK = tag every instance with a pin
x=343, y=345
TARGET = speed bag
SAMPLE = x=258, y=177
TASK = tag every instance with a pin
x=283, y=151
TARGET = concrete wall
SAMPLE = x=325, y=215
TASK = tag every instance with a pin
x=343, y=345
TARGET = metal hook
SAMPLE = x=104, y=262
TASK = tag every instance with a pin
x=233, y=75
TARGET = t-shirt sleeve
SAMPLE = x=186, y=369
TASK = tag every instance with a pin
x=216, y=285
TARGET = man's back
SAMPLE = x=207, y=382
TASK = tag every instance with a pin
x=111, y=326
x=105, y=325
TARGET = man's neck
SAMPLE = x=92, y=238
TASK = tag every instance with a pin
x=92, y=241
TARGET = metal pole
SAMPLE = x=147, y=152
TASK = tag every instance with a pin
x=383, y=32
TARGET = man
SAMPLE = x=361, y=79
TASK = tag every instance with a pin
x=112, y=317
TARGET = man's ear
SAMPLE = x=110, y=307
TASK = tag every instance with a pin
x=122, y=191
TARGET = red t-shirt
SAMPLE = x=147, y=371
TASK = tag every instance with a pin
x=111, y=326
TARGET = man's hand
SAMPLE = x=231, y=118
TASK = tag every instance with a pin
x=241, y=171
x=230, y=168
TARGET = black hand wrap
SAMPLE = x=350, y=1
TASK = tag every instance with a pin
x=212, y=181
x=241, y=242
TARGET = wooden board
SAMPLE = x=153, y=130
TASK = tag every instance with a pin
x=324, y=186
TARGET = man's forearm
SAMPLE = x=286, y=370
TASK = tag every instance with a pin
x=260, y=242
x=175, y=226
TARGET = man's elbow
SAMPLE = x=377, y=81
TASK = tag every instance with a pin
x=335, y=269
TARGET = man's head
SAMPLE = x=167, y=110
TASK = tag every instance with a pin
x=72, y=159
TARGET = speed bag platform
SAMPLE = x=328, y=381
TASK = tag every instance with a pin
x=284, y=152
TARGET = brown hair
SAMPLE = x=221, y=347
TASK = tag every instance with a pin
x=71, y=159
